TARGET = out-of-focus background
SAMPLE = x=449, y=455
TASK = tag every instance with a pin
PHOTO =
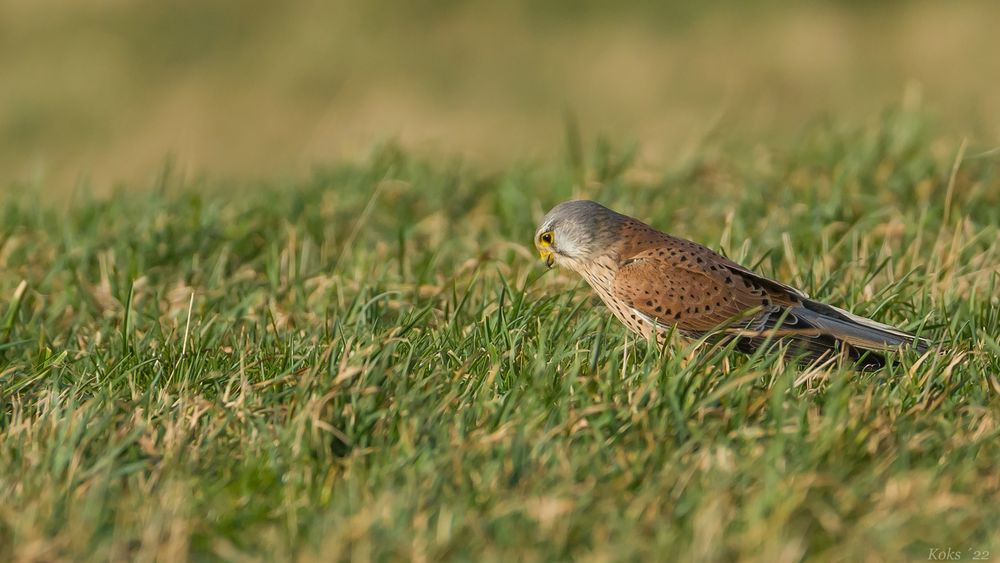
x=108, y=91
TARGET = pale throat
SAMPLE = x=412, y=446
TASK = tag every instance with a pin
x=599, y=272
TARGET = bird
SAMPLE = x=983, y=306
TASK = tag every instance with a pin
x=656, y=284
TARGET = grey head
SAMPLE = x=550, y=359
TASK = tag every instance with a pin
x=577, y=230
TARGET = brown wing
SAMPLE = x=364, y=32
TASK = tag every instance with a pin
x=675, y=282
x=641, y=239
x=686, y=285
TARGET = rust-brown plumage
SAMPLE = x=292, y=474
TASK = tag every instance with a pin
x=654, y=283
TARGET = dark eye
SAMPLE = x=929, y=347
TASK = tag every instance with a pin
x=547, y=237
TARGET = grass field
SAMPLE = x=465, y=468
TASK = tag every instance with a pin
x=370, y=363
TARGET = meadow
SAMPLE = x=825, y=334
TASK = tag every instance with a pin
x=369, y=363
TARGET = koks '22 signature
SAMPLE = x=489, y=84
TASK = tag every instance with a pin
x=952, y=554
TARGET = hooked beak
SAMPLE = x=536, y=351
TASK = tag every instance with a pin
x=547, y=256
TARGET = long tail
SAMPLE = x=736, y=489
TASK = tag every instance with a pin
x=856, y=331
x=817, y=331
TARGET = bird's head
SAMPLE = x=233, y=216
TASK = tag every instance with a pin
x=577, y=230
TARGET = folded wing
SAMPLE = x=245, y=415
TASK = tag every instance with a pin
x=687, y=286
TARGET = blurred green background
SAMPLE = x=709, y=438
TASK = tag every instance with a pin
x=107, y=91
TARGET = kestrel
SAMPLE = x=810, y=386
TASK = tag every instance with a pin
x=655, y=283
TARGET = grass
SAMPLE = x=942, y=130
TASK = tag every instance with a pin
x=372, y=364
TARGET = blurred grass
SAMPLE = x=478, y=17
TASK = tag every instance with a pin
x=371, y=364
x=104, y=92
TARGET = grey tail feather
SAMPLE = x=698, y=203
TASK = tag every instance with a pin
x=855, y=331
x=816, y=331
